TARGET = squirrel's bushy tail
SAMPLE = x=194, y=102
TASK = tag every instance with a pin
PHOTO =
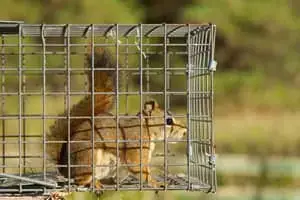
x=104, y=81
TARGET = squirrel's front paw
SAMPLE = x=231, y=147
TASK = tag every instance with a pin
x=98, y=184
x=156, y=184
x=153, y=183
x=57, y=196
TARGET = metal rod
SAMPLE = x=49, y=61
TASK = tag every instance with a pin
x=167, y=74
x=82, y=52
x=108, y=141
x=3, y=101
x=189, y=105
x=165, y=110
x=124, y=116
x=87, y=93
x=68, y=103
x=126, y=77
x=104, y=45
x=20, y=100
x=44, y=104
x=66, y=100
x=199, y=125
x=82, y=70
x=212, y=139
x=183, y=164
x=141, y=101
x=147, y=70
x=79, y=30
x=198, y=147
x=22, y=178
x=204, y=126
x=24, y=106
x=117, y=104
x=93, y=105
x=194, y=105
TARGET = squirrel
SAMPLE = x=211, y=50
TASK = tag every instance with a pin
x=133, y=146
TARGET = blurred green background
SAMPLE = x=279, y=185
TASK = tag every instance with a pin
x=257, y=96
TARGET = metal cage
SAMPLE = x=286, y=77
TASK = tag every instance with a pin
x=43, y=73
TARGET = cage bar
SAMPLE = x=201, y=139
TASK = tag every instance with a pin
x=171, y=63
x=140, y=43
x=93, y=105
x=67, y=31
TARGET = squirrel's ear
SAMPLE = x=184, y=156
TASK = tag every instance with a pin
x=150, y=105
x=96, y=49
x=169, y=112
x=89, y=48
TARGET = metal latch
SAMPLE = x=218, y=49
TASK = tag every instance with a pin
x=213, y=65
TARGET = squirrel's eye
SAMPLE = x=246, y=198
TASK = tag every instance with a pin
x=169, y=121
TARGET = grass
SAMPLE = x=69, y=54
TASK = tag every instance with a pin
x=255, y=133
x=114, y=195
x=255, y=91
x=224, y=193
x=255, y=114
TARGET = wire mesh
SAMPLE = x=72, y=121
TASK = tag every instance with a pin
x=44, y=73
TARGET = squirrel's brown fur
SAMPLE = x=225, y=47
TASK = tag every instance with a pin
x=130, y=152
x=107, y=152
x=104, y=81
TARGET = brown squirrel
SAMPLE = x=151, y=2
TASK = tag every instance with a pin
x=131, y=147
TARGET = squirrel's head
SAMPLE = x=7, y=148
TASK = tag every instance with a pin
x=158, y=125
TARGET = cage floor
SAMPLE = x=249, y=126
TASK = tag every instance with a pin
x=10, y=185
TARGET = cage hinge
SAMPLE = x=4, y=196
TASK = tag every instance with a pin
x=191, y=150
x=213, y=65
x=188, y=69
x=212, y=160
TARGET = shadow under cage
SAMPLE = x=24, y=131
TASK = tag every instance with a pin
x=106, y=107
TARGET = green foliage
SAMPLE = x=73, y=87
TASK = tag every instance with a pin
x=255, y=133
x=65, y=11
x=253, y=34
x=253, y=90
